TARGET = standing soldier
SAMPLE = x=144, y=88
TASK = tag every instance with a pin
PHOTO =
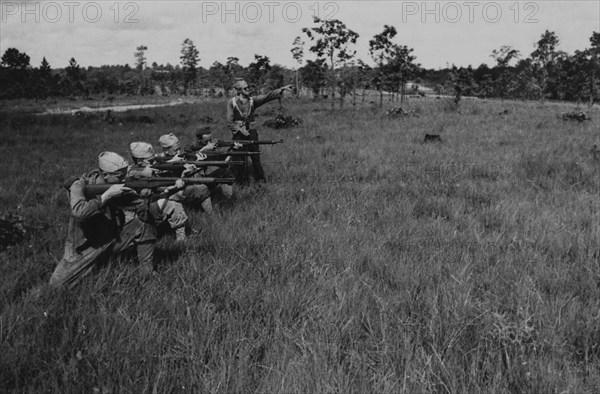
x=110, y=223
x=240, y=120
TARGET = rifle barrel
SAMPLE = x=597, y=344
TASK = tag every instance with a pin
x=258, y=142
x=230, y=153
x=192, y=181
x=247, y=142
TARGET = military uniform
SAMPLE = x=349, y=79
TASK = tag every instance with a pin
x=204, y=144
x=196, y=196
x=173, y=211
x=240, y=120
x=97, y=229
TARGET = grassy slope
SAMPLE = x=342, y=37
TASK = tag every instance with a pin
x=370, y=262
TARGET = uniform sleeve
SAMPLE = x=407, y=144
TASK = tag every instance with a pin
x=206, y=148
x=82, y=208
x=265, y=98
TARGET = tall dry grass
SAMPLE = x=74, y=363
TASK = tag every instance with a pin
x=370, y=262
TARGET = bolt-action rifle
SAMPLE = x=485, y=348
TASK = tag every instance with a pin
x=180, y=165
x=220, y=143
x=191, y=154
x=223, y=144
x=91, y=191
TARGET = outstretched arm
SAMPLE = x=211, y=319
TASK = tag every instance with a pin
x=272, y=95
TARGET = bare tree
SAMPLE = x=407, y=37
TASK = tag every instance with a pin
x=298, y=55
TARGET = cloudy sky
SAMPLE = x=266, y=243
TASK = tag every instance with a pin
x=441, y=32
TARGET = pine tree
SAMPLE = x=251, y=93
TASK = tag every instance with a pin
x=189, y=62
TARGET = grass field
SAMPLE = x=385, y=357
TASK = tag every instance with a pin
x=370, y=262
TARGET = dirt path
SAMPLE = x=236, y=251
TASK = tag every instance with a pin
x=115, y=108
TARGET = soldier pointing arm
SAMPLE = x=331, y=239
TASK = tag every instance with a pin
x=240, y=120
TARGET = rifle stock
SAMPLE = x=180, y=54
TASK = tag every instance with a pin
x=91, y=191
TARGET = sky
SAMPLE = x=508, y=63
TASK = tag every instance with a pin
x=441, y=33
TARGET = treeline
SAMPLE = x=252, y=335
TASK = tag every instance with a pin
x=546, y=73
x=19, y=79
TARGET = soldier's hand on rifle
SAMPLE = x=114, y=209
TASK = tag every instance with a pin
x=237, y=145
x=189, y=169
x=241, y=127
x=175, y=159
x=115, y=191
x=210, y=146
x=200, y=156
x=179, y=184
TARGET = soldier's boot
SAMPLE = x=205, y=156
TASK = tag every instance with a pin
x=145, y=253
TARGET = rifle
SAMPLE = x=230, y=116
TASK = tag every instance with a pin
x=220, y=143
x=228, y=153
x=91, y=191
x=180, y=165
x=190, y=154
